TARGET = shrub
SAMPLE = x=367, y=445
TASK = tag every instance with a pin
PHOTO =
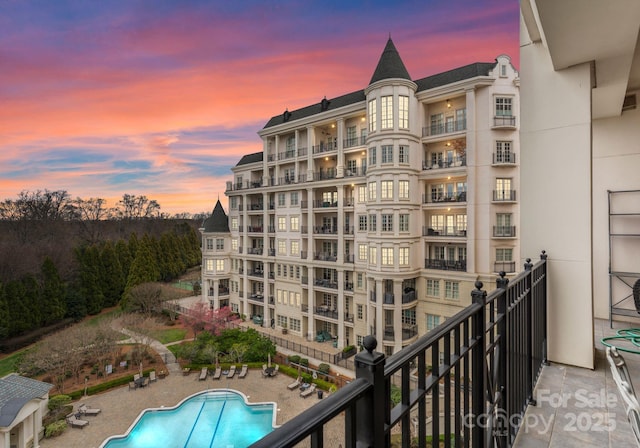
x=348, y=348
x=58, y=401
x=324, y=368
x=294, y=359
x=55, y=429
x=304, y=362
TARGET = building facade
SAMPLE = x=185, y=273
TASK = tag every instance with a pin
x=376, y=211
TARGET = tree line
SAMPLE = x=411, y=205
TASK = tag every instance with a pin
x=75, y=277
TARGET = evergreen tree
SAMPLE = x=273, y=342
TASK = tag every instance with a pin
x=112, y=277
x=144, y=268
x=20, y=316
x=53, y=293
x=124, y=257
x=4, y=313
x=76, y=303
x=90, y=278
x=33, y=300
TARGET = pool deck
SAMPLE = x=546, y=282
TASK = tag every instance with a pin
x=121, y=406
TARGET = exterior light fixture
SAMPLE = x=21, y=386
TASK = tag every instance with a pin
x=326, y=158
x=333, y=125
x=363, y=118
x=448, y=104
x=448, y=143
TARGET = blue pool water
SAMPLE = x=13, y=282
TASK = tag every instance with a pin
x=219, y=418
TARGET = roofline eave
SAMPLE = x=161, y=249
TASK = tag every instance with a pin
x=458, y=86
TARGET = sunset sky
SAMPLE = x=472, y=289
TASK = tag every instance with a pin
x=161, y=98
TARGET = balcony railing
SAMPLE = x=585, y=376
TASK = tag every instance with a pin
x=325, y=283
x=504, y=231
x=325, y=256
x=504, y=195
x=409, y=331
x=326, y=312
x=325, y=230
x=444, y=197
x=445, y=265
x=504, y=158
x=348, y=258
x=324, y=147
x=444, y=231
x=254, y=250
x=324, y=175
x=508, y=121
x=357, y=172
x=319, y=203
x=444, y=128
x=455, y=162
x=354, y=141
x=484, y=362
x=504, y=266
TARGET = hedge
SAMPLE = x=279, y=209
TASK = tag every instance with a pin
x=97, y=388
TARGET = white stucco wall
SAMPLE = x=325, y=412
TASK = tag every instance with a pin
x=555, y=142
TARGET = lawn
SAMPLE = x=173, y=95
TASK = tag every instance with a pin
x=8, y=364
x=169, y=335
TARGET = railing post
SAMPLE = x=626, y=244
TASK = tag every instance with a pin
x=371, y=408
x=545, y=361
x=478, y=368
x=503, y=340
x=529, y=326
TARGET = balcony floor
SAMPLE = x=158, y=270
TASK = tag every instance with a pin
x=592, y=414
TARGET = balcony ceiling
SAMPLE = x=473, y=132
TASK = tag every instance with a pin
x=581, y=31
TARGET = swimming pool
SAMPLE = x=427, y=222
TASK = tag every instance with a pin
x=214, y=418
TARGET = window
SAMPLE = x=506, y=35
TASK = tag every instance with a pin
x=282, y=223
x=234, y=307
x=403, y=112
x=295, y=223
x=282, y=247
x=281, y=199
x=294, y=198
x=387, y=153
x=209, y=265
x=403, y=154
x=373, y=117
x=503, y=107
x=503, y=189
x=373, y=224
x=433, y=287
x=386, y=189
x=372, y=156
x=359, y=340
x=359, y=280
x=373, y=255
x=387, y=256
x=295, y=248
x=461, y=223
x=432, y=321
x=234, y=223
x=461, y=119
x=437, y=126
x=503, y=70
x=451, y=290
x=352, y=136
x=362, y=194
x=386, y=112
x=362, y=223
x=409, y=316
x=290, y=173
x=233, y=203
x=403, y=223
x=403, y=256
x=387, y=222
x=362, y=252
x=282, y=321
x=294, y=324
x=503, y=224
x=360, y=312
x=503, y=152
x=291, y=145
x=219, y=265
x=403, y=189
x=373, y=191
x=209, y=243
x=219, y=244
x=504, y=254
x=234, y=244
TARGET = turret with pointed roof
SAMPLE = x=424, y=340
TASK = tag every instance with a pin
x=390, y=65
x=217, y=222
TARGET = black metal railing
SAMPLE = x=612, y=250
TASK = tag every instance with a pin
x=504, y=120
x=445, y=265
x=504, y=195
x=506, y=158
x=484, y=362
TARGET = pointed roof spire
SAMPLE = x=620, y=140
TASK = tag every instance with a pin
x=390, y=65
x=217, y=222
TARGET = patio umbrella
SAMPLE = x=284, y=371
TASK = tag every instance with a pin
x=140, y=368
x=269, y=360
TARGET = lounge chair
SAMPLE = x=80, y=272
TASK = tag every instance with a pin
x=136, y=377
x=152, y=376
x=84, y=410
x=243, y=371
x=132, y=385
x=218, y=373
x=264, y=370
x=275, y=370
x=203, y=374
x=232, y=371
x=75, y=422
x=310, y=390
x=295, y=384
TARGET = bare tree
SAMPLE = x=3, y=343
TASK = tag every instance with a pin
x=90, y=212
x=136, y=207
x=146, y=297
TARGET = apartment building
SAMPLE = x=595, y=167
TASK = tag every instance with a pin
x=373, y=212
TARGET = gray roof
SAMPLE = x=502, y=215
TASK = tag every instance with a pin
x=250, y=158
x=217, y=222
x=15, y=392
x=390, y=65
